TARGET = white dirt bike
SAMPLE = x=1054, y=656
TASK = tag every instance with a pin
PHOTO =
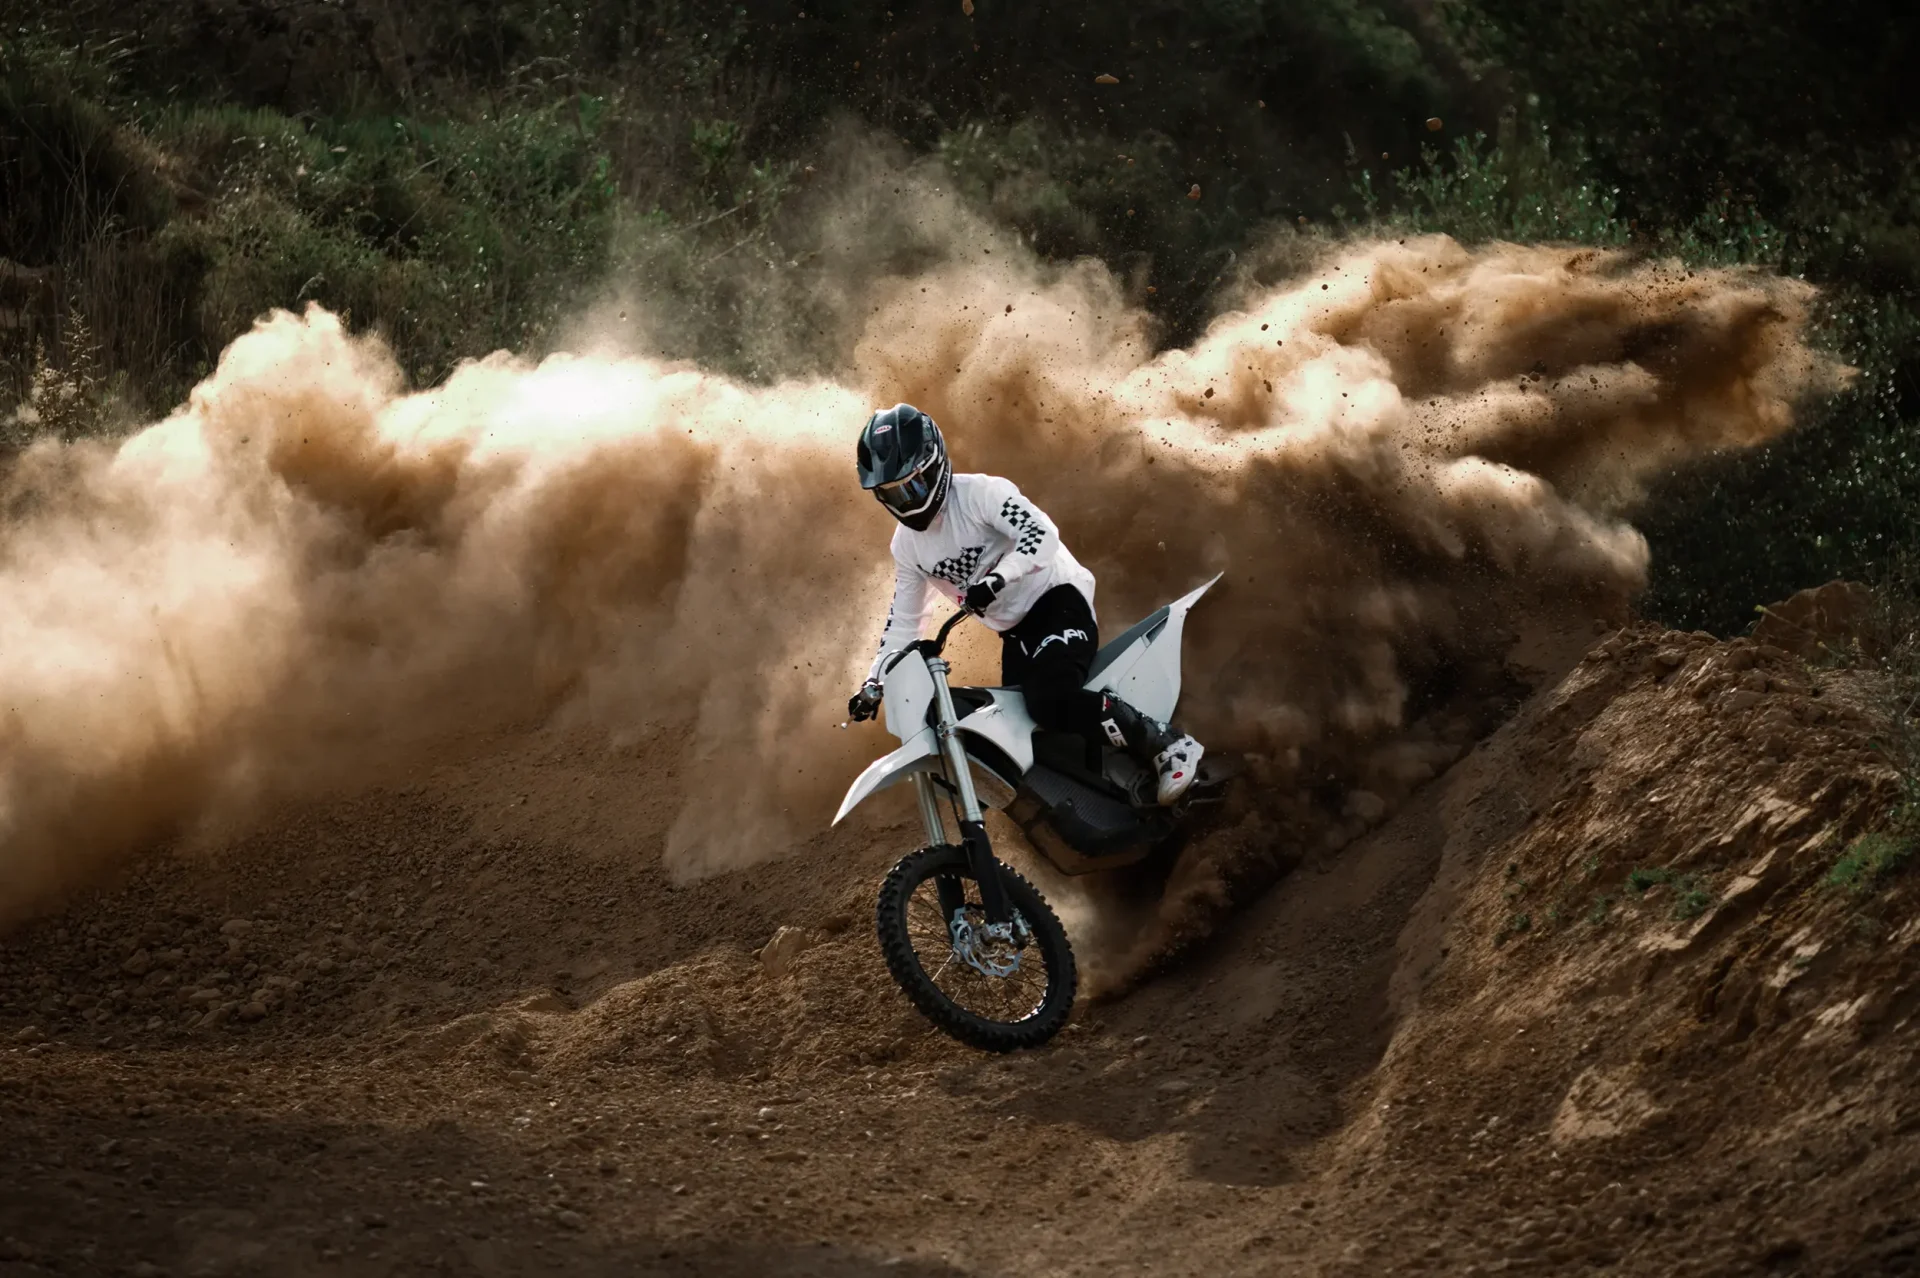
x=976, y=948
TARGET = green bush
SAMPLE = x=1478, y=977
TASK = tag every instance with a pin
x=1525, y=185
x=454, y=236
x=1871, y=860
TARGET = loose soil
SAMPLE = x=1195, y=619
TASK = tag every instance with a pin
x=1583, y=1002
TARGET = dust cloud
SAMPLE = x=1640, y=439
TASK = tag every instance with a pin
x=308, y=575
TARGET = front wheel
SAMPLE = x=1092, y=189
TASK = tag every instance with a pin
x=997, y=990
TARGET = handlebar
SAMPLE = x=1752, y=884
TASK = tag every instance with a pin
x=939, y=641
x=928, y=647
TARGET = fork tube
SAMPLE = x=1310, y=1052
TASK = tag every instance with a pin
x=973, y=831
x=930, y=809
x=956, y=754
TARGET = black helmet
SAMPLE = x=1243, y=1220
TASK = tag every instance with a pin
x=904, y=461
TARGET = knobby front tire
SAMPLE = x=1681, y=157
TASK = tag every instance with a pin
x=994, y=1014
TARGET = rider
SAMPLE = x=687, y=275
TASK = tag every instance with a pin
x=976, y=540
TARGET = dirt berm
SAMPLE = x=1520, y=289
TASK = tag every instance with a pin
x=1583, y=1002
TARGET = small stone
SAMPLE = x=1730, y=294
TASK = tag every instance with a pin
x=1142, y=1040
x=787, y=944
x=29, y=1034
x=203, y=996
x=570, y=1219
x=1366, y=805
x=252, y=1011
x=1740, y=699
x=236, y=927
x=147, y=1269
x=139, y=963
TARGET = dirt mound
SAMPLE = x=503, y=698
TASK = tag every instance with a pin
x=1828, y=622
x=1585, y=1000
x=1643, y=1024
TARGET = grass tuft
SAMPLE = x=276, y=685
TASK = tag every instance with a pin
x=1871, y=860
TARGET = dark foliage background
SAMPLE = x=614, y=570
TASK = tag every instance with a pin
x=461, y=174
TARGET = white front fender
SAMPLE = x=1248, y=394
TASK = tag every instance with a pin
x=911, y=757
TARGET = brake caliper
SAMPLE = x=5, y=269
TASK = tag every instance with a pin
x=993, y=950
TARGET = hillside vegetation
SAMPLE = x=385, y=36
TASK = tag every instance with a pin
x=468, y=177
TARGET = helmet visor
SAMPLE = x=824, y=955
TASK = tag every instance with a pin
x=911, y=495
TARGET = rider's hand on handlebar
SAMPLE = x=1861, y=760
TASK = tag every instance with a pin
x=982, y=593
x=865, y=704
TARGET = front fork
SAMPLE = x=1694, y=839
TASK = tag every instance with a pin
x=973, y=830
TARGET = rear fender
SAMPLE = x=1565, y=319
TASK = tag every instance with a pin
x=1146, y=673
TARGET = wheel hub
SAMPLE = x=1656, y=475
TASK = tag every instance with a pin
x=993, y=950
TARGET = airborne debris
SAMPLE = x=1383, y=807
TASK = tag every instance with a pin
x=1194, y=193
x=966, y=7
x=1104, y=78
x=1433, y=124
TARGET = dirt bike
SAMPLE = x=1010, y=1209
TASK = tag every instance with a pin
x=975, y=946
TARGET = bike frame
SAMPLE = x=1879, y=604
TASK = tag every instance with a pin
x=1142, y=665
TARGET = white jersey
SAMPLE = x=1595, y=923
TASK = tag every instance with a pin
x=985, y=526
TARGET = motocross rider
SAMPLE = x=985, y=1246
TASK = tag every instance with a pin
x=977, y=541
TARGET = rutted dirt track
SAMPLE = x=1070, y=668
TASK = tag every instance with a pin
x=465, y=1024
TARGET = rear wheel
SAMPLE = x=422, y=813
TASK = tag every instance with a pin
x=997, y=992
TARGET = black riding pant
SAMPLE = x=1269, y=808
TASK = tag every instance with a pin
x=1047, y=656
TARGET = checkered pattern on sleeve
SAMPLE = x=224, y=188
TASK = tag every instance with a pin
x=1027, y=531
